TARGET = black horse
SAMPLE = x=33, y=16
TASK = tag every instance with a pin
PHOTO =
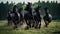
x=37, y=17
x=48, y=17
x=15, y=16
x=28, y=15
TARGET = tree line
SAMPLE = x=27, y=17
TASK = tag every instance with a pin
x=54, y=8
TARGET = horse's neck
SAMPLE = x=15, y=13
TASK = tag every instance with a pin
x=38, y=12
x=48, y=14
x=18, y=14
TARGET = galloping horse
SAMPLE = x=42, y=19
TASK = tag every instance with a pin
x=48, y=17
x=15, y=16
x=37, y=17
x=28, y=15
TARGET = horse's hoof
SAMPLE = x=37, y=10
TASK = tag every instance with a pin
x=33, y=26
x=26, y=28
x=39, y=27
x=36, y=28
x=15, y=27
x=46, y=26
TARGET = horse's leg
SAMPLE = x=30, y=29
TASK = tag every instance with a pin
x=15, y=25
x=16, y=22
x=45, y=23
x=33, y=22
x=36, y=24
x=25, y=19
x=9, y=22
x=22, y=20
x=39, y=24
x=27, y=27
x=29, y=23
x=48, y=23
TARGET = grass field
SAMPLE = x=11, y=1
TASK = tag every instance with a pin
x=53, y=28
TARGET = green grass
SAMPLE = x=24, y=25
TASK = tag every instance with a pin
x=53, y=28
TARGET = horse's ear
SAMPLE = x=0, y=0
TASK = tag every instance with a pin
x=29, y=3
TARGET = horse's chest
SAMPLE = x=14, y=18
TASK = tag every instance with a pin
x=34, y=14
x=49, y=17
x=15, y=15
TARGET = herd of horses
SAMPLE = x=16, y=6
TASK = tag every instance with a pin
x=32, y=19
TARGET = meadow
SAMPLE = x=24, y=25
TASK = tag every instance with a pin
x=53, y=28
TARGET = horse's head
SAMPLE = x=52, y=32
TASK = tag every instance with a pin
x=20, y=10
x=38, y=9
x=29, y=4
x=15, y=9
x=29, y=8
x=47, y=10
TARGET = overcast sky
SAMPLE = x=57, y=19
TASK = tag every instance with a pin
x=16, y=1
